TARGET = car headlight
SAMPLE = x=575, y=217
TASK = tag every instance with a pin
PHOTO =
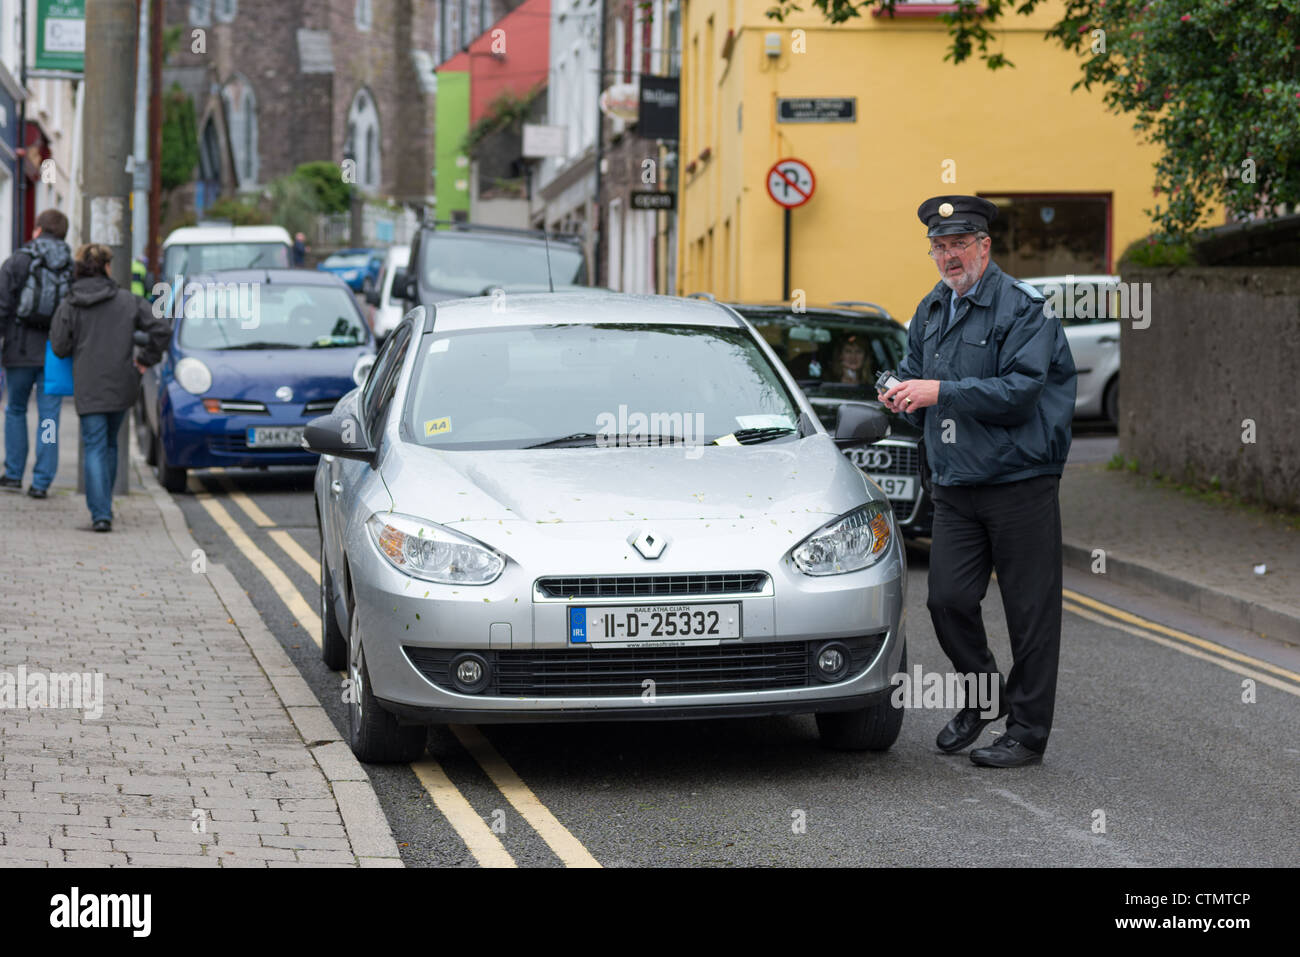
x=851, y=542
x=361, y=371
x=193, y=376
x=432, y=552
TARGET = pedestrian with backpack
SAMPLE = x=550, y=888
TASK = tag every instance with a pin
x=96, y=326
x=33, y=281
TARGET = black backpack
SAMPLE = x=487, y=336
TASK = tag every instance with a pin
x=48, y=279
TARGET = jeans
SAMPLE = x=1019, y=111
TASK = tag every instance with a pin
x=99, y=437
x=20, y=380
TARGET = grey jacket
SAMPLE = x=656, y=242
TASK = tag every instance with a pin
x=95, y=325
x=1006, y=383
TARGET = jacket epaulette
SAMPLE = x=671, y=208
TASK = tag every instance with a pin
x=1033, y=292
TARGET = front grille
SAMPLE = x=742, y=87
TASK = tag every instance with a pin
x=905, y=460
x=242, y=407
x=653, y=586
x=229, y=442
x=319, y=407
x=615, y=672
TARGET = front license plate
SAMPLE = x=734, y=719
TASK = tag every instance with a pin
x=641, y=625
x=897, y=486
x=275, y=437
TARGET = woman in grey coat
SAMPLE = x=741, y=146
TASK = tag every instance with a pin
x=95, y=324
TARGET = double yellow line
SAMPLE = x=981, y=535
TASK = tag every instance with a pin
x=1262, y=671
x=482, y=841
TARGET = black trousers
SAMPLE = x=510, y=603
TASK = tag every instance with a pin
x=1014, y=529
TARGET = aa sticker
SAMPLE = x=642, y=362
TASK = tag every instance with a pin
x=437, y=426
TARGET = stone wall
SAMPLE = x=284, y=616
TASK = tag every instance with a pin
x=1221, y=355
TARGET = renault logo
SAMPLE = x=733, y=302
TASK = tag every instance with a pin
x=649, y=543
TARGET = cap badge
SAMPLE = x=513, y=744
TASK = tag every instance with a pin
x=945, y=209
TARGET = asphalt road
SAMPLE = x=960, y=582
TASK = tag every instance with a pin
x=1154, y=757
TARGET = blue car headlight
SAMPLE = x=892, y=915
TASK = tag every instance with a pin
x=433, y=552
x=855, y=540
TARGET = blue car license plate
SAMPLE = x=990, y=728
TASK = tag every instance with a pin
x=275, y=437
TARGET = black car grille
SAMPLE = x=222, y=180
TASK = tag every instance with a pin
x=904, y=460
x=653, y=586
x=613, y=672
x=230, y=442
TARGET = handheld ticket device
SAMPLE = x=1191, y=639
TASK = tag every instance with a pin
x=887, y=380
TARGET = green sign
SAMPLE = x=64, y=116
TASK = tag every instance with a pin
x=451, y=190
x=61, y=35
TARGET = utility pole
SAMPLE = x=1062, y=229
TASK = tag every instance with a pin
x=155, y=138
x=107, y=131
x=599, y=224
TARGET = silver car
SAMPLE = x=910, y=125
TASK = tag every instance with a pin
x=596, y=506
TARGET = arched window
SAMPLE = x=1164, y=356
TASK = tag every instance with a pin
x=241, y=120
x=367, y=146
x=364, y=15
x=200, y=13
x=226, y=10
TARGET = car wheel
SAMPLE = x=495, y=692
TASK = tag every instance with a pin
x=1110, y=402
x=333, y=646
x=373, y=733
x=169, y=477
x=874, y=728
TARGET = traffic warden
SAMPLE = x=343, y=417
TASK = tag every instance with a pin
x=990, y=381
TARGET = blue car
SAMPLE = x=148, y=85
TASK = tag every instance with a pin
x=252, y=358
x=350, y=265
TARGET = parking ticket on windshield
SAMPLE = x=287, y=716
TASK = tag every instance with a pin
x=439, y=345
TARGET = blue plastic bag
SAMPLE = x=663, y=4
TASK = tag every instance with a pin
x=58, y=373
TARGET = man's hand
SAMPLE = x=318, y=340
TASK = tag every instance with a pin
x=139, y=368
x=911, y=395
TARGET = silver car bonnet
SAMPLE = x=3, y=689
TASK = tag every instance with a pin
x=809, y=477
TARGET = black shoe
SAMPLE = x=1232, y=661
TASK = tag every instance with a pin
x=15, y=485
x=1005, y=752
x=103, y=525
x=963, y=729
x=35, y=492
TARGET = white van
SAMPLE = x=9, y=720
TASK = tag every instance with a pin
x=209, y=247
x=386, y=310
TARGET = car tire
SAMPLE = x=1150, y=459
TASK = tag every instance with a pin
x=1110, y=402
x=373, y=733
x=873, y=728
x=333, y=643
x=169, y=477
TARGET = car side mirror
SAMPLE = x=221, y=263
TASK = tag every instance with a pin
x=340, y=435
x=857, y=424
x=402, y=285
x=371, y=292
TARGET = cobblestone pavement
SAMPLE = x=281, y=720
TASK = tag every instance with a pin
x=181, y=749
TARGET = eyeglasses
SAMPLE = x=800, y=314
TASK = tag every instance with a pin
x=955, y=248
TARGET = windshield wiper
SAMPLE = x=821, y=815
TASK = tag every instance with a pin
x=265, y=345
x=635, y=440
x=754, y=436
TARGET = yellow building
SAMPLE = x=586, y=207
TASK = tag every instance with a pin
x=1070, y=178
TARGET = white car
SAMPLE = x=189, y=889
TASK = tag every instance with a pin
x=210, y=247
x=1086, y=305
x=386, y=310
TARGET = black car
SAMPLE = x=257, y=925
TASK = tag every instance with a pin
x=458, y=260
x=835, y=353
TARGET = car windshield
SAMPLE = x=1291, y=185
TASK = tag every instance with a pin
x=209, y=257
x=576, y=385
x=469, y=265
x=352, y=261
x=832, y=356
x=272, y=316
